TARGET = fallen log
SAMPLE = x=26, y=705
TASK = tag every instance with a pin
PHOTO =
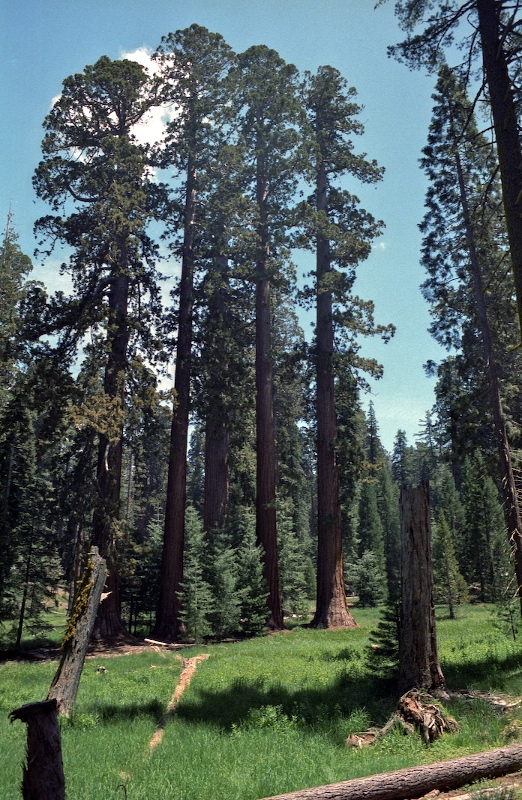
x=417, y=781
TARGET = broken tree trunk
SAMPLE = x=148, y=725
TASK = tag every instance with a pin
x=419, y=666
x=76, y=640
x=418, y=781
x=43, y=777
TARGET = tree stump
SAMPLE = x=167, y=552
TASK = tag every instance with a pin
x=419, y=666
x=64, y=686
x=43, y=777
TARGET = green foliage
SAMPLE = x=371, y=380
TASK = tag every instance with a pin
x=292, y=562
x=369, y=581
x=198, y=602
x=448, y=583
x=251, y=583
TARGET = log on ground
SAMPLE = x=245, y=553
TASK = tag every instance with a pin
x=417, y=781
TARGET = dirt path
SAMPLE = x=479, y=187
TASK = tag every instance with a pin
x=189, y=668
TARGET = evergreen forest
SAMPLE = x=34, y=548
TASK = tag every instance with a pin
x=246, y=487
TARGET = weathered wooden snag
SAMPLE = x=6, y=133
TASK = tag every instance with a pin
x=64, y=686
x=418, y=781
x=419, y=666
x=43, y=777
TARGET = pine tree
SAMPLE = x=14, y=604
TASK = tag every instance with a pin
x=252, y=586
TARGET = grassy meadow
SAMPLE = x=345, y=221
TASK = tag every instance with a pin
x=260, y=717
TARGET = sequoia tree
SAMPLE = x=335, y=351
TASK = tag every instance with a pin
x=94, y=176
x=342, y=233
x=264, y=94
x=193, y=63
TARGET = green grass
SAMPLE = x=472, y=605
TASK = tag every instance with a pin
x=261, y=717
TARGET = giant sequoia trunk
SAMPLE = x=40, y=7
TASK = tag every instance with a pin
x=331, y=608
x=109, y=624
x=217, y=445
x=168, y=621
x=419, y=666
x=509, y=491
x=506, y=131
x=266, y=523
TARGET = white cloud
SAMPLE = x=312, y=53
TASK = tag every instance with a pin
x=151, y=128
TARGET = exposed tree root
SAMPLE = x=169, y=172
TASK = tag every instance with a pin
x=415, y=711
x=189, y=668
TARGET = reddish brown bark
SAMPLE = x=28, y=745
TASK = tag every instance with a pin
x=419, y=666
x=266, y=523
x=169, y=625
x=331, y=606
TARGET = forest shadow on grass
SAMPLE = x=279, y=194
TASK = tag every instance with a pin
x=107, y=713
x=493, y=672
x=355, y=703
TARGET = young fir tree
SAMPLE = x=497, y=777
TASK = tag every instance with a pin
x=265, y=97
x=194, y=63
x=252, y=588
x=292, y=562
x=196, y=600
x=341, y=234
x=448, y=583
x=484, y=526
x=93, y=166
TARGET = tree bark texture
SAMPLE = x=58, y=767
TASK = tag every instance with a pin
x=217, y=445
x=331, y=607
x=43, y=776
x=509, y=491
x=109, y=623
x=266, y=522
x=418, y=781
x=506, y=131
x=419, y=666
x=169, y=625
x=64, y=686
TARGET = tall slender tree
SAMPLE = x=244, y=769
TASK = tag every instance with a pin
x=266, y=99
x=342, y=233
x=194, y=63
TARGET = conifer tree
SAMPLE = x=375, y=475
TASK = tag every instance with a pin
x=194, y=63
x=448, y=583
x=265, y=97
x=93, y=165
x=341, y=234
x=197, y=601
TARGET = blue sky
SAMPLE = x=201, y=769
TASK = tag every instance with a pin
x=44, y=41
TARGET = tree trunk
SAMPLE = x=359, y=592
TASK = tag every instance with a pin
x=217, y=445
x=331, y=608
x=509, y=491
x=109, y=623
x=43, y=777
x=266, y=522
x=169, y=625
x=217, y=452
x=64, y=686
x=419, y=666
x=506, y=132
x=418, y=781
